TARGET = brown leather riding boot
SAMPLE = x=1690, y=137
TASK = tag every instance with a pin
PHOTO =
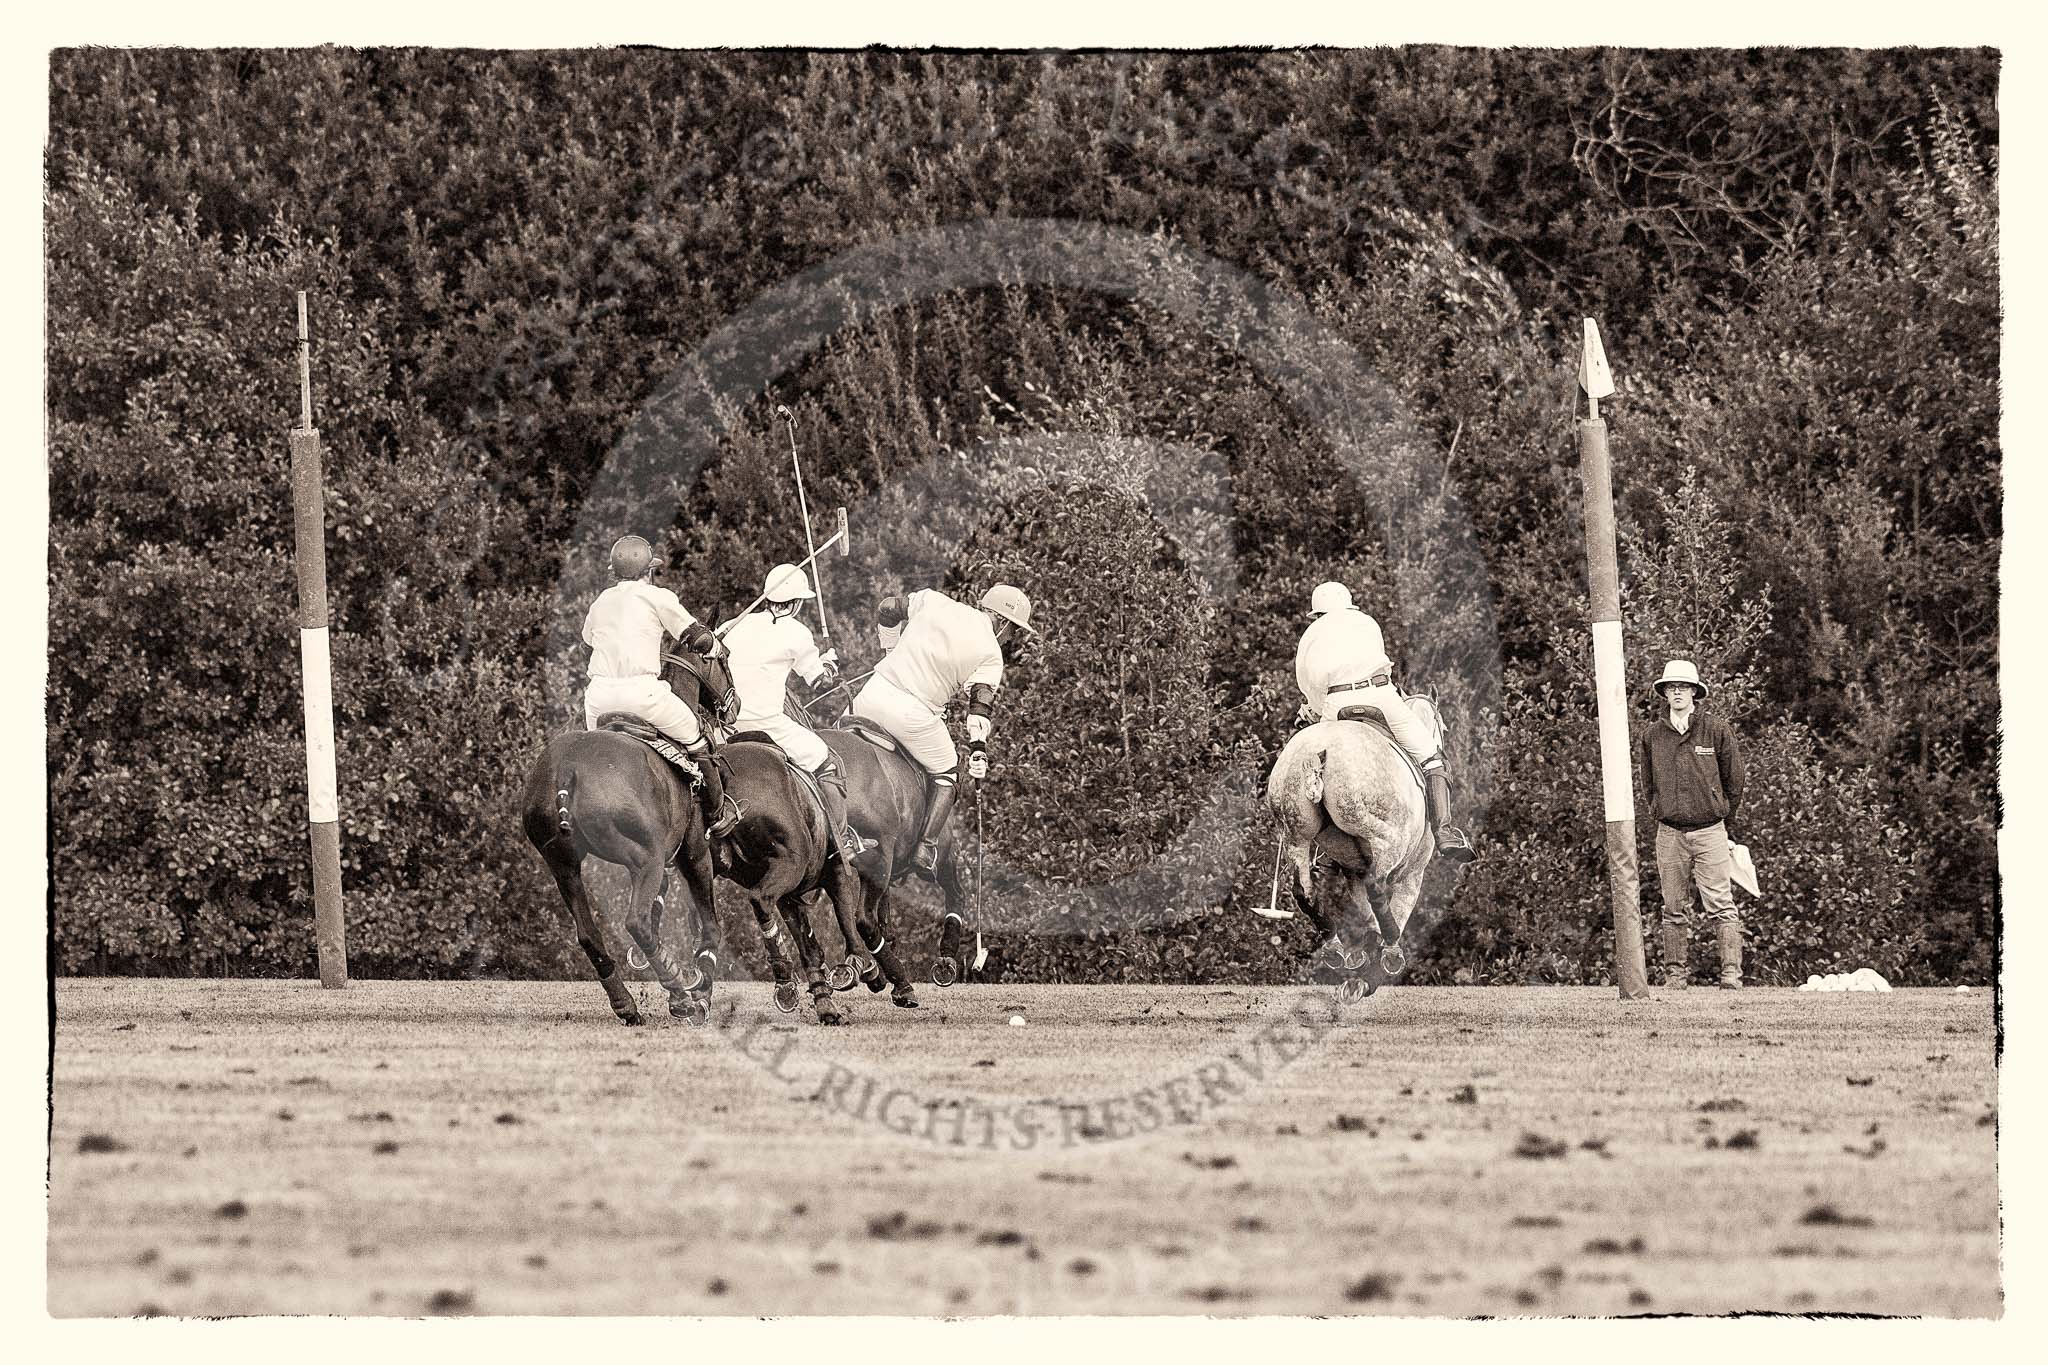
x=718, y=821
x=939, y=795
x=1728, y=938
x=1451, y=842
x=832, y=787
x=1677, y=954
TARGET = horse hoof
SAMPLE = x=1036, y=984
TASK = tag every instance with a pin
x=1353, y=961
x=628, y=1017
x=1392, y=960
x=696, y=1012
x=697, y=980
x=1354, y=989
x=786, y=997
x=829, y=1013
x=945, y=972
x=841, y=978
x=904, y=998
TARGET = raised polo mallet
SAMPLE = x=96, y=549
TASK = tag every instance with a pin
x=803, y=505
x=840, y=537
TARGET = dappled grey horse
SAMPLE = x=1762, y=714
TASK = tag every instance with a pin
x=1343, y=789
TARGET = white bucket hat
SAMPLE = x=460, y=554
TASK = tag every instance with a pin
x=787, y=583
x=1329, y=597
x=1680, y=670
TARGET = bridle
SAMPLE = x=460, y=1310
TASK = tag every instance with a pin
x=714, y=682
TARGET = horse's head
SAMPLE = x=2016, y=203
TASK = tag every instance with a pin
x=705, y=685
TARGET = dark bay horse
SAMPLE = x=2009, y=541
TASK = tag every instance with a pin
x=885, y=801
x=1341, y=789
x=598, y=793
x=779, y=854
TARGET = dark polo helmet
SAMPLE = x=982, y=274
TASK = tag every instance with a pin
x=632, y=556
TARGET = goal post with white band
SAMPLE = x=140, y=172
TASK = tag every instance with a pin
x=1610, y=683
x=323, y=823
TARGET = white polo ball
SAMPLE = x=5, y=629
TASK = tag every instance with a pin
x=1016, y=1021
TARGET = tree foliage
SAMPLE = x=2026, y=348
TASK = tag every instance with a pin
x=1297, y=315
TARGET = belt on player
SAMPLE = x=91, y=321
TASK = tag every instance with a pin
x=1379, y=679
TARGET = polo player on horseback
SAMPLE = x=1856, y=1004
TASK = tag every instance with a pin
x=1342, y=661
x=939, y=648
x=766, y=647
x=624, y=629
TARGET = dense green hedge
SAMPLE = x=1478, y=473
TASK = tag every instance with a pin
x=1314, y=318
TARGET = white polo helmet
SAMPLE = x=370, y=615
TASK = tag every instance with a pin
x=787, y=583
x=1009, y=603
x=1329, y=597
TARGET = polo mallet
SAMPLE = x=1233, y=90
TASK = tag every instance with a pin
x=839, y=537
x=804, y=506
x=1271, y=909
x=980, y=953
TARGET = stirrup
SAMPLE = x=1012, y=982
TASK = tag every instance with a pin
x=851, y=844
x=728, y=820
x=927, y=856
x=1452, y=844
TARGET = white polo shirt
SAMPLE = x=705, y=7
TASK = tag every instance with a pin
x=624, y=628
x=946, y=647
x=1338, y=647
x=764, y=653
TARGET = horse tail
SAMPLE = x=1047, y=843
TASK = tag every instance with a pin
x=1312, y=779
x=565, y=794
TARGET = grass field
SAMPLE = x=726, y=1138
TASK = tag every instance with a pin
x=507, y=1148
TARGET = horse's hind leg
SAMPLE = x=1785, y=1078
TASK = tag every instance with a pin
x=885, y=969
x=650, y=888
x=846, y=904
x=812, y=955
x=576, y=898
x=694, y=860
x=1301, y=860
x=777, y=943
x=1391, y=907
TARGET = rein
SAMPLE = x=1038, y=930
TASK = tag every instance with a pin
x=725, y=706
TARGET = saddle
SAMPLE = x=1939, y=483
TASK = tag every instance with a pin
x=805, y=778
x=627, y=724
x=1377, y=719
x=871, y=732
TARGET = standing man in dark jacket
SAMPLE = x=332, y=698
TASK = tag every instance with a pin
x=1692, y=767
